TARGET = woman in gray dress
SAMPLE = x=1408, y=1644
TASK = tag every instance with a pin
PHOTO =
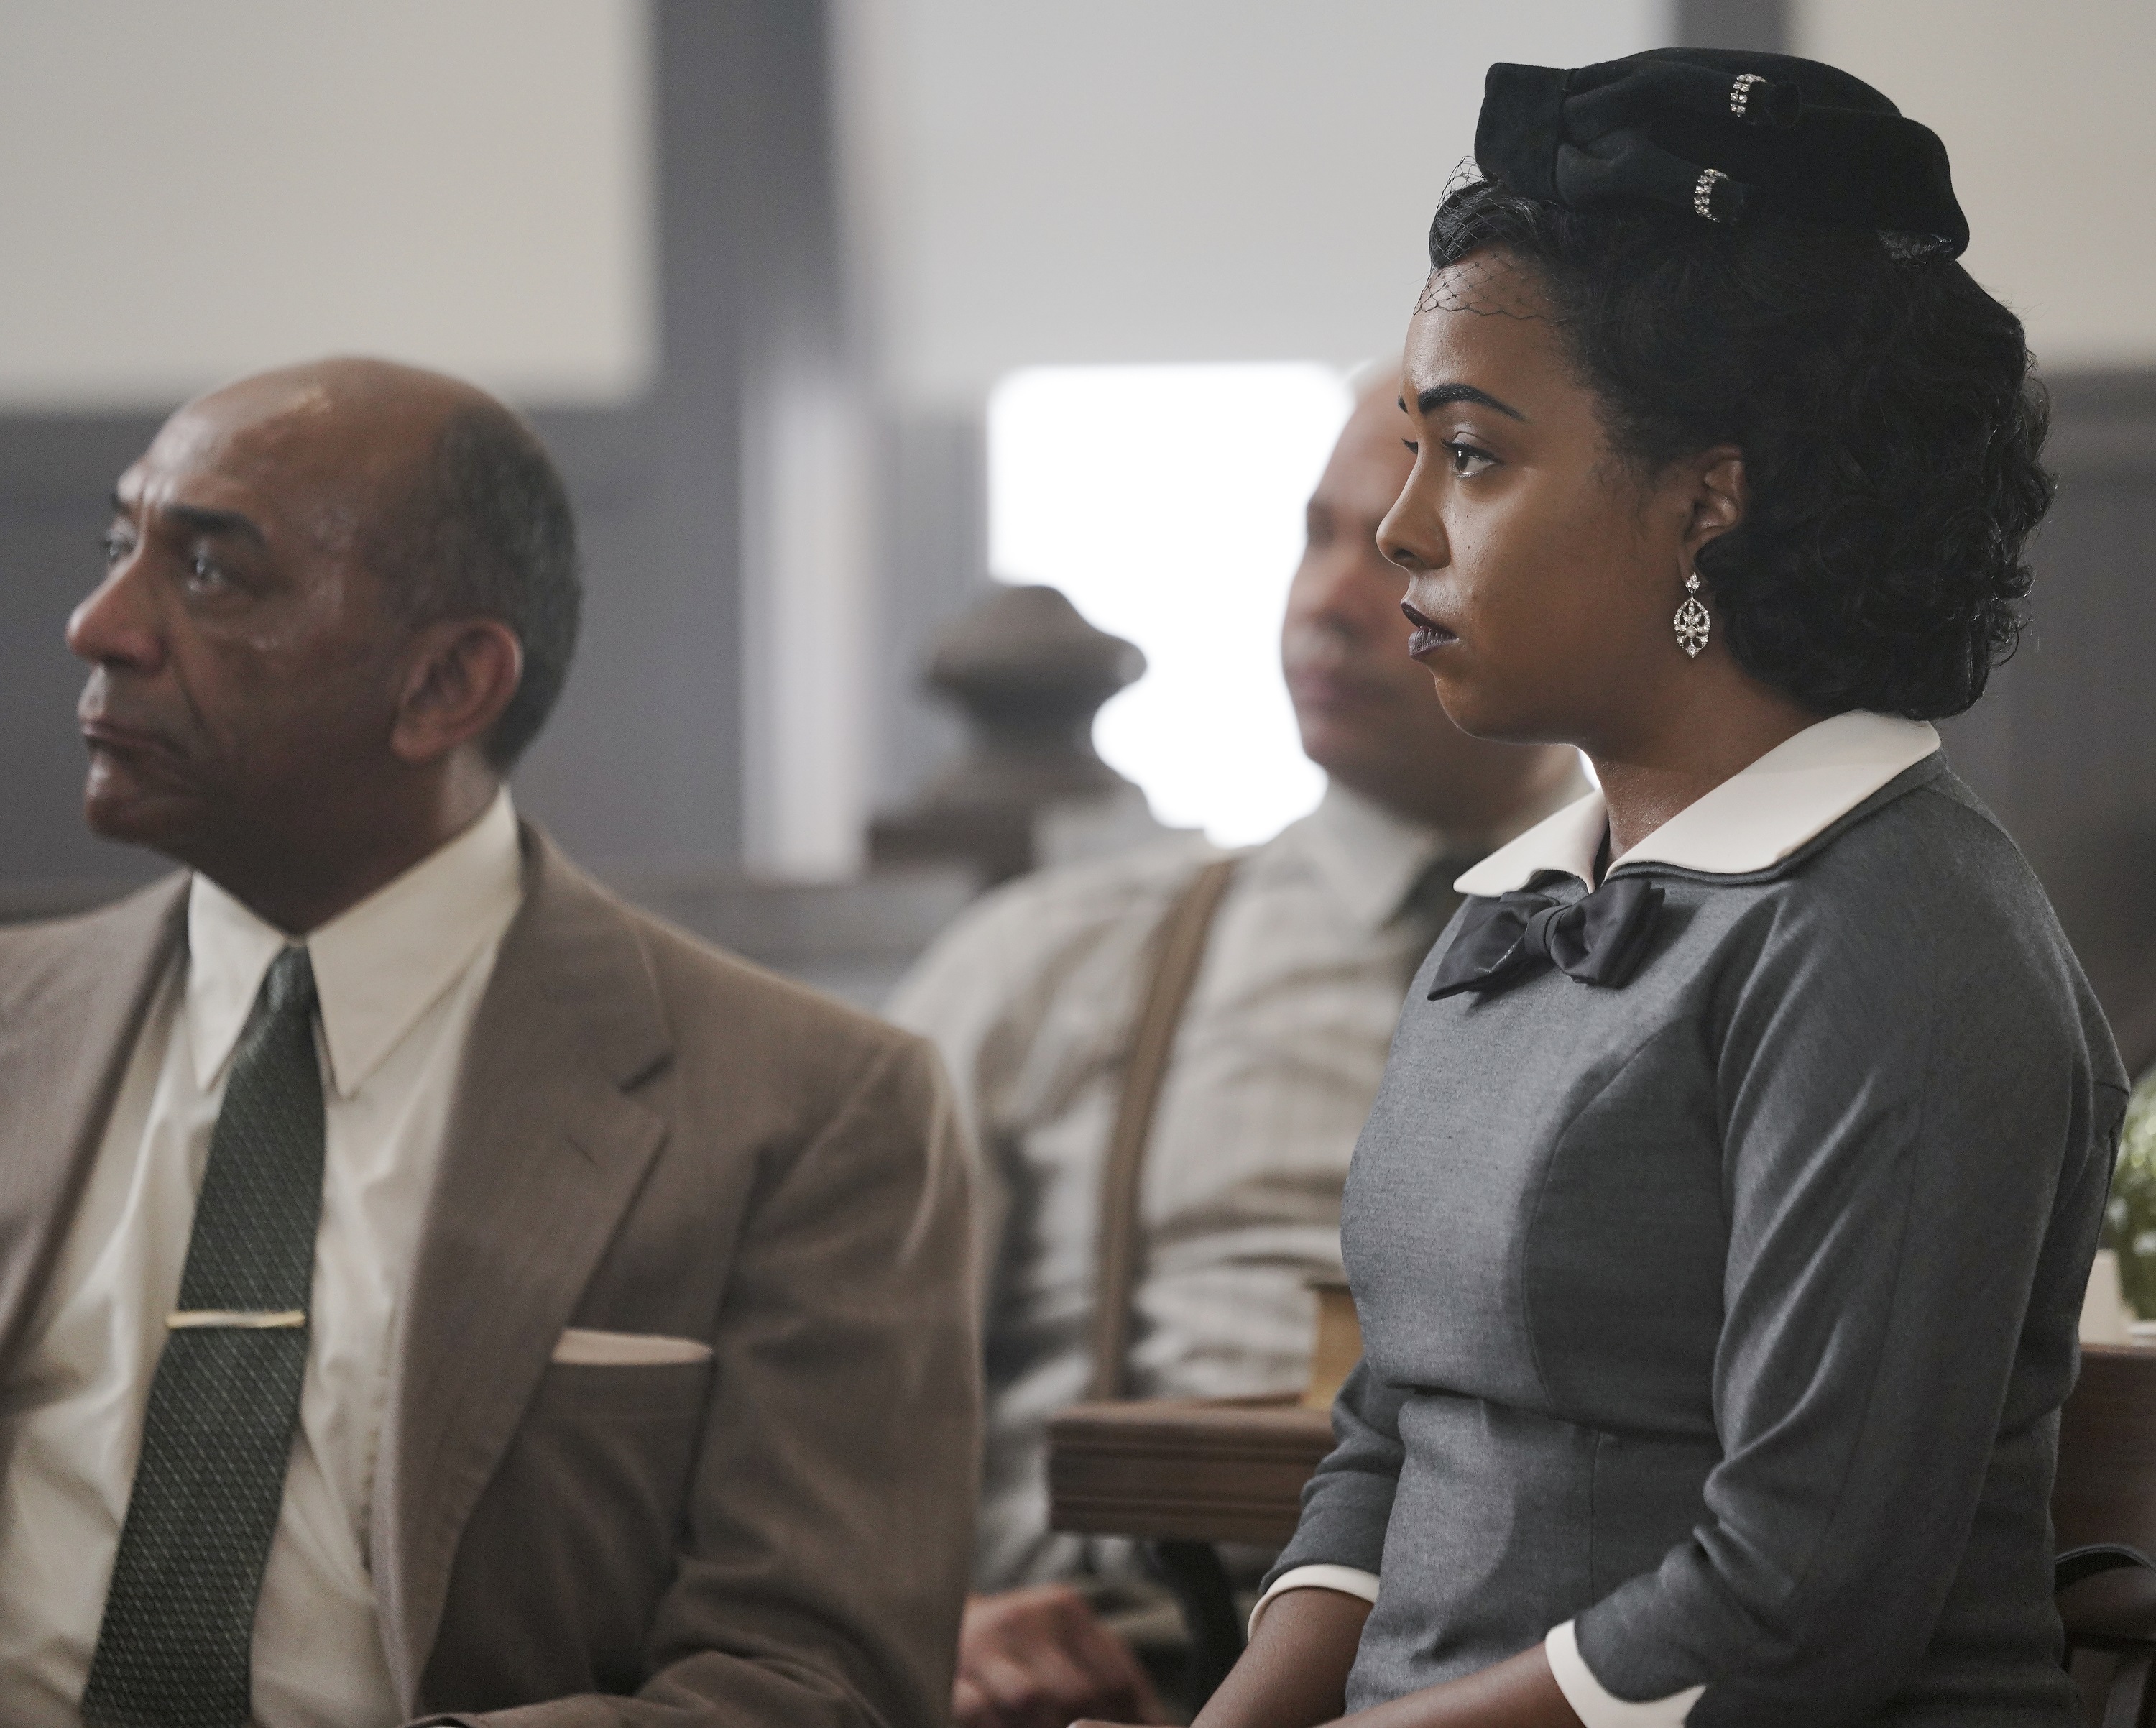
x=1720, y=1231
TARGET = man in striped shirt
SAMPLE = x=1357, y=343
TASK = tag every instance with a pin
x=1031, y=998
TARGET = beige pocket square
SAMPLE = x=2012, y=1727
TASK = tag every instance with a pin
x=627, y=1349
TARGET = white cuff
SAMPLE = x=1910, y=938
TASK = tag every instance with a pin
x=1590, y=1703
x=1347, y=1580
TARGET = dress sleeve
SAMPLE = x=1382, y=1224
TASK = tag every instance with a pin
x=1593, y=1704
x=1343, y=1581
x=1915, y=1152
x=1347, y=1504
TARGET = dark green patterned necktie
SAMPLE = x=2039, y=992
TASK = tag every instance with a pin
x=1430, y=902
x=176, y=1648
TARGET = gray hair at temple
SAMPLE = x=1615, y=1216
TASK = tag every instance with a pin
x=487, y=532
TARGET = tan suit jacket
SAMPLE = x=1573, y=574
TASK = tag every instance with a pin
x=649, y=1137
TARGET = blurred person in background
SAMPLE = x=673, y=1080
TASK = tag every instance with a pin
x=1307, y=947
x=427, y=1285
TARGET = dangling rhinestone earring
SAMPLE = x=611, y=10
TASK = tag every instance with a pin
x=1692, y=623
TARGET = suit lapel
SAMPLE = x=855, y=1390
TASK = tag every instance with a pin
x=72, y=1002
x=545, y=1152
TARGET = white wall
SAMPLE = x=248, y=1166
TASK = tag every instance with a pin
x=808, y=612
x=1168, y=180
x=2046, y=113
x=190, y=190
x=1045, y=183
x=1183, y=544
x=1131, y=180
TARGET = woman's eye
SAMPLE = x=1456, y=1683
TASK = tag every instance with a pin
x=118, y=543
x=1467, y=461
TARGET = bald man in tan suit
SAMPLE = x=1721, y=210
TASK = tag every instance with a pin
x=622, y=1371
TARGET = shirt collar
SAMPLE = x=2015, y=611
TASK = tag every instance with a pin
x=1372, y=859
x=378, y=965
x=1368, y=858
x=1751, y=822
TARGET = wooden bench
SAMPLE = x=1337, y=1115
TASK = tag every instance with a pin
x=1181, y=1475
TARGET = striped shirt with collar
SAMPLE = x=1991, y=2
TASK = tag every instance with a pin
x=1031, y=996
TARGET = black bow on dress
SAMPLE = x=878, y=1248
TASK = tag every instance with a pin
x=1596, y=939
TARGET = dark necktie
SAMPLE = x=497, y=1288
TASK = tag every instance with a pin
x=1599, y=938
x=175, y=1650
x=1428, y=906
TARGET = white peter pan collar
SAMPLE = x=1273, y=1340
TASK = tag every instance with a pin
x=1751, y=822
x=378, y=965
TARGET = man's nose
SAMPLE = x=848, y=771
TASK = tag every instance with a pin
x=115, y=624
x=1329, y=588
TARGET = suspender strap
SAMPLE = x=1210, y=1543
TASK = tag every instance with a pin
x=1179, y=949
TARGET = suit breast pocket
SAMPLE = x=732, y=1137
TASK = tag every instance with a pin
x=581, y=1530
x=574, y=1390
x=605, y=1454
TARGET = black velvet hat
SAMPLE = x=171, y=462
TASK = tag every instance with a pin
x=1721, y=133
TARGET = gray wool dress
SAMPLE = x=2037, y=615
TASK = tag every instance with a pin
x=1727, y=1314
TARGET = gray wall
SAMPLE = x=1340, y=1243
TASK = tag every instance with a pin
x=641, y=767
x=55, y=475
x=1762, y=25
x=2063, y=747
x=935, y=563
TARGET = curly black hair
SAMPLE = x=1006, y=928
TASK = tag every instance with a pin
x=1891, y=427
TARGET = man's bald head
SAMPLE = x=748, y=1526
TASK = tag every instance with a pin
x=338, y=600
x=452, y=500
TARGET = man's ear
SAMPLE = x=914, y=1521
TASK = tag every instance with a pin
x=1718, y=497
x=460, y=676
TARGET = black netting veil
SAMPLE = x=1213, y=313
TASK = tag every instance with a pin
x=1464, y=277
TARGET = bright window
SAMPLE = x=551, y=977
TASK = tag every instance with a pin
x=1167, y=502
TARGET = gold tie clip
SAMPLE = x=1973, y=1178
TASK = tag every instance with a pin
x=189, y=1319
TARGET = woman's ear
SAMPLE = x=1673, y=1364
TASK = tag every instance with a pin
x=1718, y=497
x=462, y=674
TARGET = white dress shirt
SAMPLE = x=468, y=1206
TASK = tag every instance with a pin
x=1030, y=998
x=397, y=979
x=1751, y=822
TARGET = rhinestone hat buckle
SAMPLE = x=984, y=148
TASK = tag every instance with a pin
x=1702, y=194
x=1740, y=93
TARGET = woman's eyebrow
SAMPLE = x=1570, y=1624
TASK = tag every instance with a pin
x=1437, y=395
